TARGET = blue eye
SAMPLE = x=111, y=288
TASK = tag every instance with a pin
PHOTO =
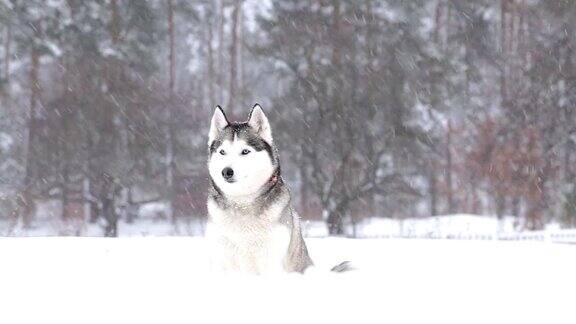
x=222, y=152
x=245, y=151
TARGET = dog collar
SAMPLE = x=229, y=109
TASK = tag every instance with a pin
x=273, y=179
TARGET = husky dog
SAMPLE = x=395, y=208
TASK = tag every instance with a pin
x=252, y=226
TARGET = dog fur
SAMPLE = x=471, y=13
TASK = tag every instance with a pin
x=252, y=226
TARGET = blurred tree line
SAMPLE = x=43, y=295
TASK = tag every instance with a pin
x=380, y=108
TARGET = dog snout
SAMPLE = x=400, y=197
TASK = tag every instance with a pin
x=227, y=173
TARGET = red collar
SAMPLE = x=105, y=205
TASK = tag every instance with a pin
x=273, y=179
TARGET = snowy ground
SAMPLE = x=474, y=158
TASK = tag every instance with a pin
x=165, y=280
x=443, y=226
x=463, y=226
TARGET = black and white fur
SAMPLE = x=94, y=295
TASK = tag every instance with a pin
x=252, y=226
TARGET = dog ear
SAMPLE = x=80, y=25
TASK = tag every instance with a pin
x=259, y=122
x=219, y=122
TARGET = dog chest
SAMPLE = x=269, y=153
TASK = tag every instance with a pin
x=248, y=242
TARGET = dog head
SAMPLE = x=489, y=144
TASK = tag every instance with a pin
x=242, y=158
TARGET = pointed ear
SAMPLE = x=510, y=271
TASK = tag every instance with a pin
x=219, y=122
x=259, y=122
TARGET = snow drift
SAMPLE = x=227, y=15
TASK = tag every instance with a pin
x=166, y=280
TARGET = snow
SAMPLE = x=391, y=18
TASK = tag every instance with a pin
x=437, y=226
x=152, y=220
x=154, y=210
x=166, y=280
x=6, y=141
x=141, y=227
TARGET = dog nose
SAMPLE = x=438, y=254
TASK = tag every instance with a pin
x=227, y=173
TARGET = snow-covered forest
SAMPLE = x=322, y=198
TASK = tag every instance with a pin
x=394, y=109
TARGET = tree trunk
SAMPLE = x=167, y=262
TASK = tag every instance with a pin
x=27, y=198
x=433, y=190
x=7, y=54
x=221, y=53
x=132, y=210
x=303, y=192
x=65, y=154
x=95, y=207
x=500, y=205
x=170, y=122
x=569, y=146
x=240, y=54
x=449, y=171
x=503, y=48
x=440, y=22
x=114, y=27
x=476, y=203
x=210, y=77
x=172, y=55
x=234, y=57
x=515, y=206
x=65, y=192
x=108, y=199
x=336, y=223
